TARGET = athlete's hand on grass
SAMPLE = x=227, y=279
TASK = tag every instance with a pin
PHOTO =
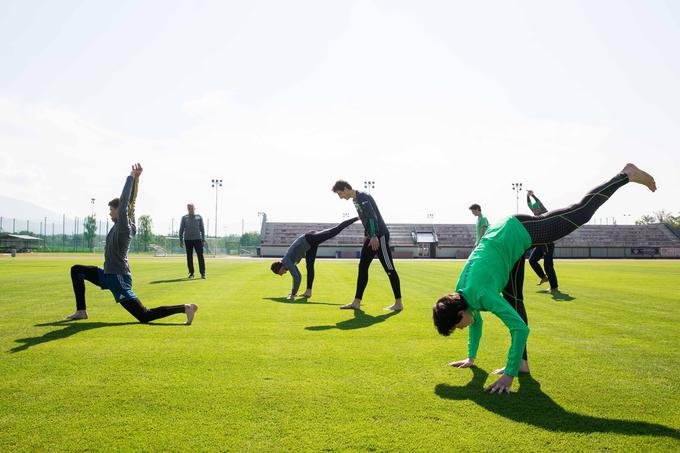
x=467, y=363
x=501, y=385
x=374, y=243
x=136, y=170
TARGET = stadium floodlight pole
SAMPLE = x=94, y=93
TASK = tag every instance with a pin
x=430, y=217
x=216, y=183
x=517, y=187
x=345, y=215
x=368, y=185
x=92, y=202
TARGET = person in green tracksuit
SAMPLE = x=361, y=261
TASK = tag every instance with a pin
x=482, y=222
x=496, y=266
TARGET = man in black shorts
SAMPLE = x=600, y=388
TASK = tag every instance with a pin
x=116, y=276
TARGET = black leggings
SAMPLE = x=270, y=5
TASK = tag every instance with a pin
x=554, y=225
x=314, y=238
x=546, y=252
x=91, y=273
x=514, y=295
x=385, y=257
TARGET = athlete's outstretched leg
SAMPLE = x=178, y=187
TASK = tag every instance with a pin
x=78, y=276
x=555, y=225
x=317, y=237
x=513, y=293
x=144, y=315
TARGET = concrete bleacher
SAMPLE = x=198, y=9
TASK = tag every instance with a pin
x=457, y=240
x=655, y=235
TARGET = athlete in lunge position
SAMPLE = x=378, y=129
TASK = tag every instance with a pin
x=116, y=276
x=377, y=242
x=306, y=247
x=542, y=251
x=497, y=265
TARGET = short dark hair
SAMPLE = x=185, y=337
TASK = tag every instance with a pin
x=445, y=313
x=276, y=267
x=341, y=184
x=114, y=203
x=475, y=206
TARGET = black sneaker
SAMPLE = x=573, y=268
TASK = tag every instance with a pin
x=191, y=276
x=202, y=276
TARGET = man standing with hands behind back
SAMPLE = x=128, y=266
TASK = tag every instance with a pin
x=192, y=235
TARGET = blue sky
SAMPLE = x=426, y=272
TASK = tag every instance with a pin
x=441, y=103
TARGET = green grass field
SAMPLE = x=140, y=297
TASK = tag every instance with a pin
x=255, y=373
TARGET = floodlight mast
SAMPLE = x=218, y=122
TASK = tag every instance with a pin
x=517, y=187
x=216, y=183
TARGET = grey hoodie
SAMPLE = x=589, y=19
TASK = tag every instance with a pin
x=118, y=239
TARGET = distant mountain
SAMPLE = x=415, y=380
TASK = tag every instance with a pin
x=15, y=213
x=11, y=208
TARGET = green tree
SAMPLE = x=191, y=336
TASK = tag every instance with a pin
x=144, y=234
x=645, y=220
x=674, y=221
x=663, y=216
x=250, y=239
x=90, y=230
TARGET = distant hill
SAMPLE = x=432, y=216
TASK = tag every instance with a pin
x=12, y=209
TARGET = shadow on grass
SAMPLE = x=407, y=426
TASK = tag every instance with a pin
x=71, y=328
x=360, y=320
x=174, y=280
x=531, y=406
x=558, y=295
x=300, y=301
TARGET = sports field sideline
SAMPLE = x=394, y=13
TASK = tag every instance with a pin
x=258, y=373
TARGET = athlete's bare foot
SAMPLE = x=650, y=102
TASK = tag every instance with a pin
x=543, y=280
x=355, y=305
x=79, y=314
x=190, y=310
x=639, y=176
x=396, y=306
x=523, y=368
x=307, y=293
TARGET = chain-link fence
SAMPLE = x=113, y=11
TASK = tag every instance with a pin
x=70, y=236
